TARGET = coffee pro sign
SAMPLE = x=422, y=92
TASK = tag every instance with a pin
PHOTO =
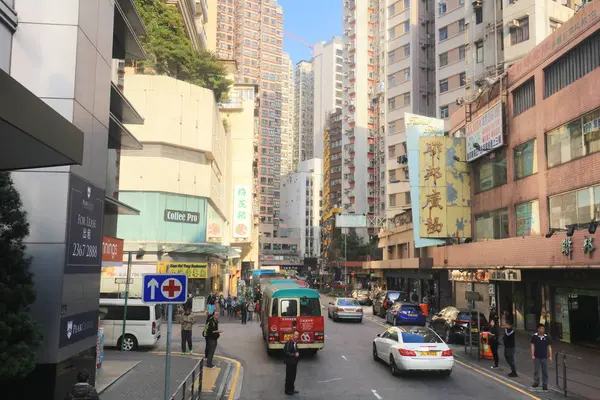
x=185, y=217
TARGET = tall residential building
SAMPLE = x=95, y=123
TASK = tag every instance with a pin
x=327, y=65
x=251, y=33
x=194, y=14
x=287, y=116
x=470, y=47
x=300, y=205
x=303, y=110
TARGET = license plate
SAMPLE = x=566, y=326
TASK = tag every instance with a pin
x=287, y=337
x=429, y=353
x=475, y=330
x=412, y=315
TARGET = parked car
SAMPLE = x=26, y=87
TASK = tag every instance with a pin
x=452, y=323
x=401, y=313
x=362, y=296
x=384, y=300
x=344, y=308
x=414, y=348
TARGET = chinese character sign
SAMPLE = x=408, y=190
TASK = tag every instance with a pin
x=242, y=211
x=484, y=134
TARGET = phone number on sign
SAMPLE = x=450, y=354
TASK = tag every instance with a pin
x=85, y=250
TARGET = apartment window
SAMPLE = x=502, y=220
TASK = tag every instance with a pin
x=443, y=7
x=392, y=57
x=527, y=216
x=462, y=79
x=392, y=174
x=407, y=26
x=478, y=16
x=461, y=2
x=490, y=171
x=392, y=151
x=443, y=33
x=520, y=31
x=461, y=25
x=462, y=52
x=407, y=99
x=391, y=80
x=444, y=112
x=492, y=225
x=524, y=97
x=392, y=201
x=406, y=4
x=407, y=50
x=392, y=103
x=392, y=10
x=443, y=85
x=573, y=65
x=479, y=51
x=391, y=127
x=443, y=59
x=407, y=74
x=525, y=158
x=392, y=33
x=554, y=24
x=577, y=207
x=575, y=139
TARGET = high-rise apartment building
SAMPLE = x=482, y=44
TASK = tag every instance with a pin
x=251, y=33
x=327, y=65
x=304, y=110
x=287, y=116
x=470, y=47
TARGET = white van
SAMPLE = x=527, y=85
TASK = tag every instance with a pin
x=142, y=327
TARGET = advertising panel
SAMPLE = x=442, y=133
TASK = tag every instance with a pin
x=485, y=132
x=78, y=327
x=112, y=252
x=242, y=212
x=120, y=271
x=192, y=270
x=416, y=127
x=84, y=238
x=445, y=188
x=350, y=221
x=214, y=226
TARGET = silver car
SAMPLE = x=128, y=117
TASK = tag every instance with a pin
x=345, y=308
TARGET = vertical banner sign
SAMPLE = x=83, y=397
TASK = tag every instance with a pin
x=84, y=235
x=485, y=132
x=242, y=211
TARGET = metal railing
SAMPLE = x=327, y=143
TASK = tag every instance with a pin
x=573, y=377
x=191, y=387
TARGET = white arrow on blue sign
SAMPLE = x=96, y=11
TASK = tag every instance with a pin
x=164, y=288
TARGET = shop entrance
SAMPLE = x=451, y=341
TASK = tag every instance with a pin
x=584, y=312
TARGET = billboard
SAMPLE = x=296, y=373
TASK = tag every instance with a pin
x=418, y=126
x=350, y=221
x=486, y=132
x=242, y=211
x=445, y=188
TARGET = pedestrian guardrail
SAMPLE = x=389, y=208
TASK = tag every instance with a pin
x=574, y=377
x=191, y=387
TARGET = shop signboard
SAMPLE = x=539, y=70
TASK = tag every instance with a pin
x=75, y=328
x=485, y=133
x=185, y=217
x=476, y=275
x=508, y=275
x=112, y=252
x=242, y=211
x=192, y=270
x=84, y=237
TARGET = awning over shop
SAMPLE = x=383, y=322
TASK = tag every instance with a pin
x=32, y=134
x=121, y=109
x=120, y=137
x=207, y=249
x=114, y=206
x=128, y=26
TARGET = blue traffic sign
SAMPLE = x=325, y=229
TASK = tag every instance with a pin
x=164, y=288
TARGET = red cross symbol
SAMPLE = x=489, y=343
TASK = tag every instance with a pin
x=171, y=288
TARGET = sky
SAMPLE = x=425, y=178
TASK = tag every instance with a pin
x=311, y=20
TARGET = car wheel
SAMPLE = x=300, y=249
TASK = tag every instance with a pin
x=130, y=343
x=395, y=321
x=448, y=336
x=393, y=368
x=328, y=315
x=335, y=319
x=446, y=372
x=375, y=356
x=360, y=321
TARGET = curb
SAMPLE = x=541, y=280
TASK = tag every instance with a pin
x=119, y=378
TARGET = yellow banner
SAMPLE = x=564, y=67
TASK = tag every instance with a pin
x=192, y=270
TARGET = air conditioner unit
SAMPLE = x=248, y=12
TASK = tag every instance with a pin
x=351, y=103
x=515, y=23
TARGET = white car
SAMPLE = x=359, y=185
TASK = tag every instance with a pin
x=413, y=348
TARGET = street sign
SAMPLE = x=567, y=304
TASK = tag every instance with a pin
x=122, y=281
x=473, y=296
x=164, y=288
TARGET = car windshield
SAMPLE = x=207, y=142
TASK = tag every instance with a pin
x=393, y=295
x=411, y=308
x=348, y=302
x=420, y=335
x=464, y=316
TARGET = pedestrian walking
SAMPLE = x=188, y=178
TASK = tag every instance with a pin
x=83, y=390
x=541, y=354
x=211, y=334
x=509, y=347
x=228, y=302
x=493, y=335
x=244, y=311
x=291, y=356
x=250, y=310
x=187, y=323
x=257, y=311
x=211, y=300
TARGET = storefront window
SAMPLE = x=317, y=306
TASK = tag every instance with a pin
x=492, y=225
x=525, y=159
x=528, y=218
x=574, y=139
x=490, y=171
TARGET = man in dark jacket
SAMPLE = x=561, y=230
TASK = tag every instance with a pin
x=82, y=390
x=211, y=333
x=291, y=356
x=509, y=347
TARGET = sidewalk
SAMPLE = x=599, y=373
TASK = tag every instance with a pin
x=583, y=372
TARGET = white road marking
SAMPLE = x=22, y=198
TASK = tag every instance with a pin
x=344, y=357
x=376, y=394
x=330, y=380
